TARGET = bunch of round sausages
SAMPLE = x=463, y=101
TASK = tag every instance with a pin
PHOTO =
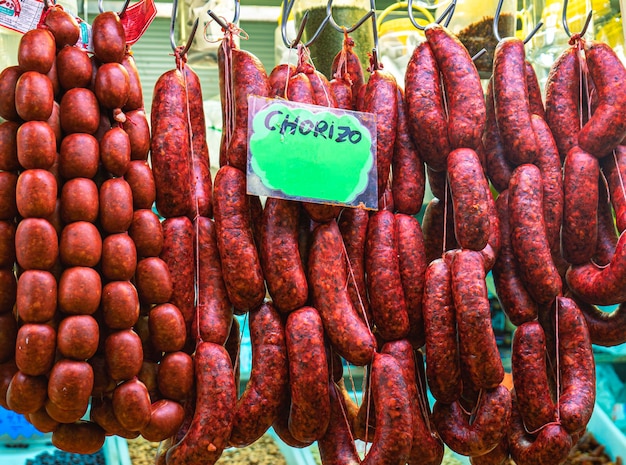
x=130, y=310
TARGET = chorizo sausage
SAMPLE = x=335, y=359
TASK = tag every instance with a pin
x=212, y=420
x=580, y=207
x=477, y=343
x=241, y=267
x=425, y=107
x=308, y=375
x=214, y=312
x=464, y=92
x=530, y=376
x=349, y=334
x=443, y=370
x=511, y=101
x=528, y=234
x=487, y=429
x=384, y=282
x=258, y=407
x=282, y=265
x=607, y=126
x=394, y=433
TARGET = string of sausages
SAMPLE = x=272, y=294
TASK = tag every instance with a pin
x=120, y=279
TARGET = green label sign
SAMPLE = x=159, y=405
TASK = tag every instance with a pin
x=311, y=153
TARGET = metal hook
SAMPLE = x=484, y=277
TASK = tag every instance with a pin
x=496, y=21
x=447, y=14
x=123, y=10
x=223, y=23
x=120, y=14
x=566, y=26
x=352, y=28
x=287, y=7
x=192, y=33
x=374, y=63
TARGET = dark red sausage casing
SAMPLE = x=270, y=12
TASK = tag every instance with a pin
x=353, y=226
x=381, y=99
x=258, y=406
x=549, y=164
x=249, y=78
x=328, y=275
x=214, y=312
x=443, y=370
x=177, y=253
x=337, y=446
x=614, y=169
x=212, y=421
x=282, y=265
x=201, y=172
x=498, y=168
x=426, y=446
x=528, y=234
x=425, y=110
x=607, y=126
x=577, y=367
x=563, y=100
x=394, y=431
x=241, y=266
x=471, y=199
x=530, y=376
x=514, y=298
x=170, y=146
x=409, y=178
x=464, y=92
x=308, y=375
x=580, y=207
x=384, y=282
x=487, y=429
x=412, y=262
x=477, y=343
x=551, y=445
x=511, y=101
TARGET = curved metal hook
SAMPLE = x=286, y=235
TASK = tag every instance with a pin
x=566, y=26
x=287, y=7
x=192, y=33
x=352, y=28
x=223, y=24
x=123, y=10
x=496, y=21
x=120, y=14
x=447, y=14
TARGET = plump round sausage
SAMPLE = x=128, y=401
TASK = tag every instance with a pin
x=79, y=292
x=36, y=50
x=34, y=96
x=80, y=244
x=36, y=244
x=35, y=349
x=74, y=68
x=62, y=25
x=78, y=337
x=80, y=201
x=36, y=296
x=80, y=111
x=70, y=383
x=36, y=145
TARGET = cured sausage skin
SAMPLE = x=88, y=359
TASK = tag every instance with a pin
x=258, y=407
x=212, y=420
x=393, y=436
x=348, y=333
x=384, y=280
x=240, y=260
x=530, y=376
x=513, y=113
x=464, y=93
x=528, y=234
x=308, y=375
x=477, y=343
x=443, y=369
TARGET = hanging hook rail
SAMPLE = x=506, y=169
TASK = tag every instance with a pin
x=223, y=24
x=496, y=21
x=287, y=7
x=192, y=33
x=352, y=28
x=101, y=7
x=566, y=26
x=447, y=15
